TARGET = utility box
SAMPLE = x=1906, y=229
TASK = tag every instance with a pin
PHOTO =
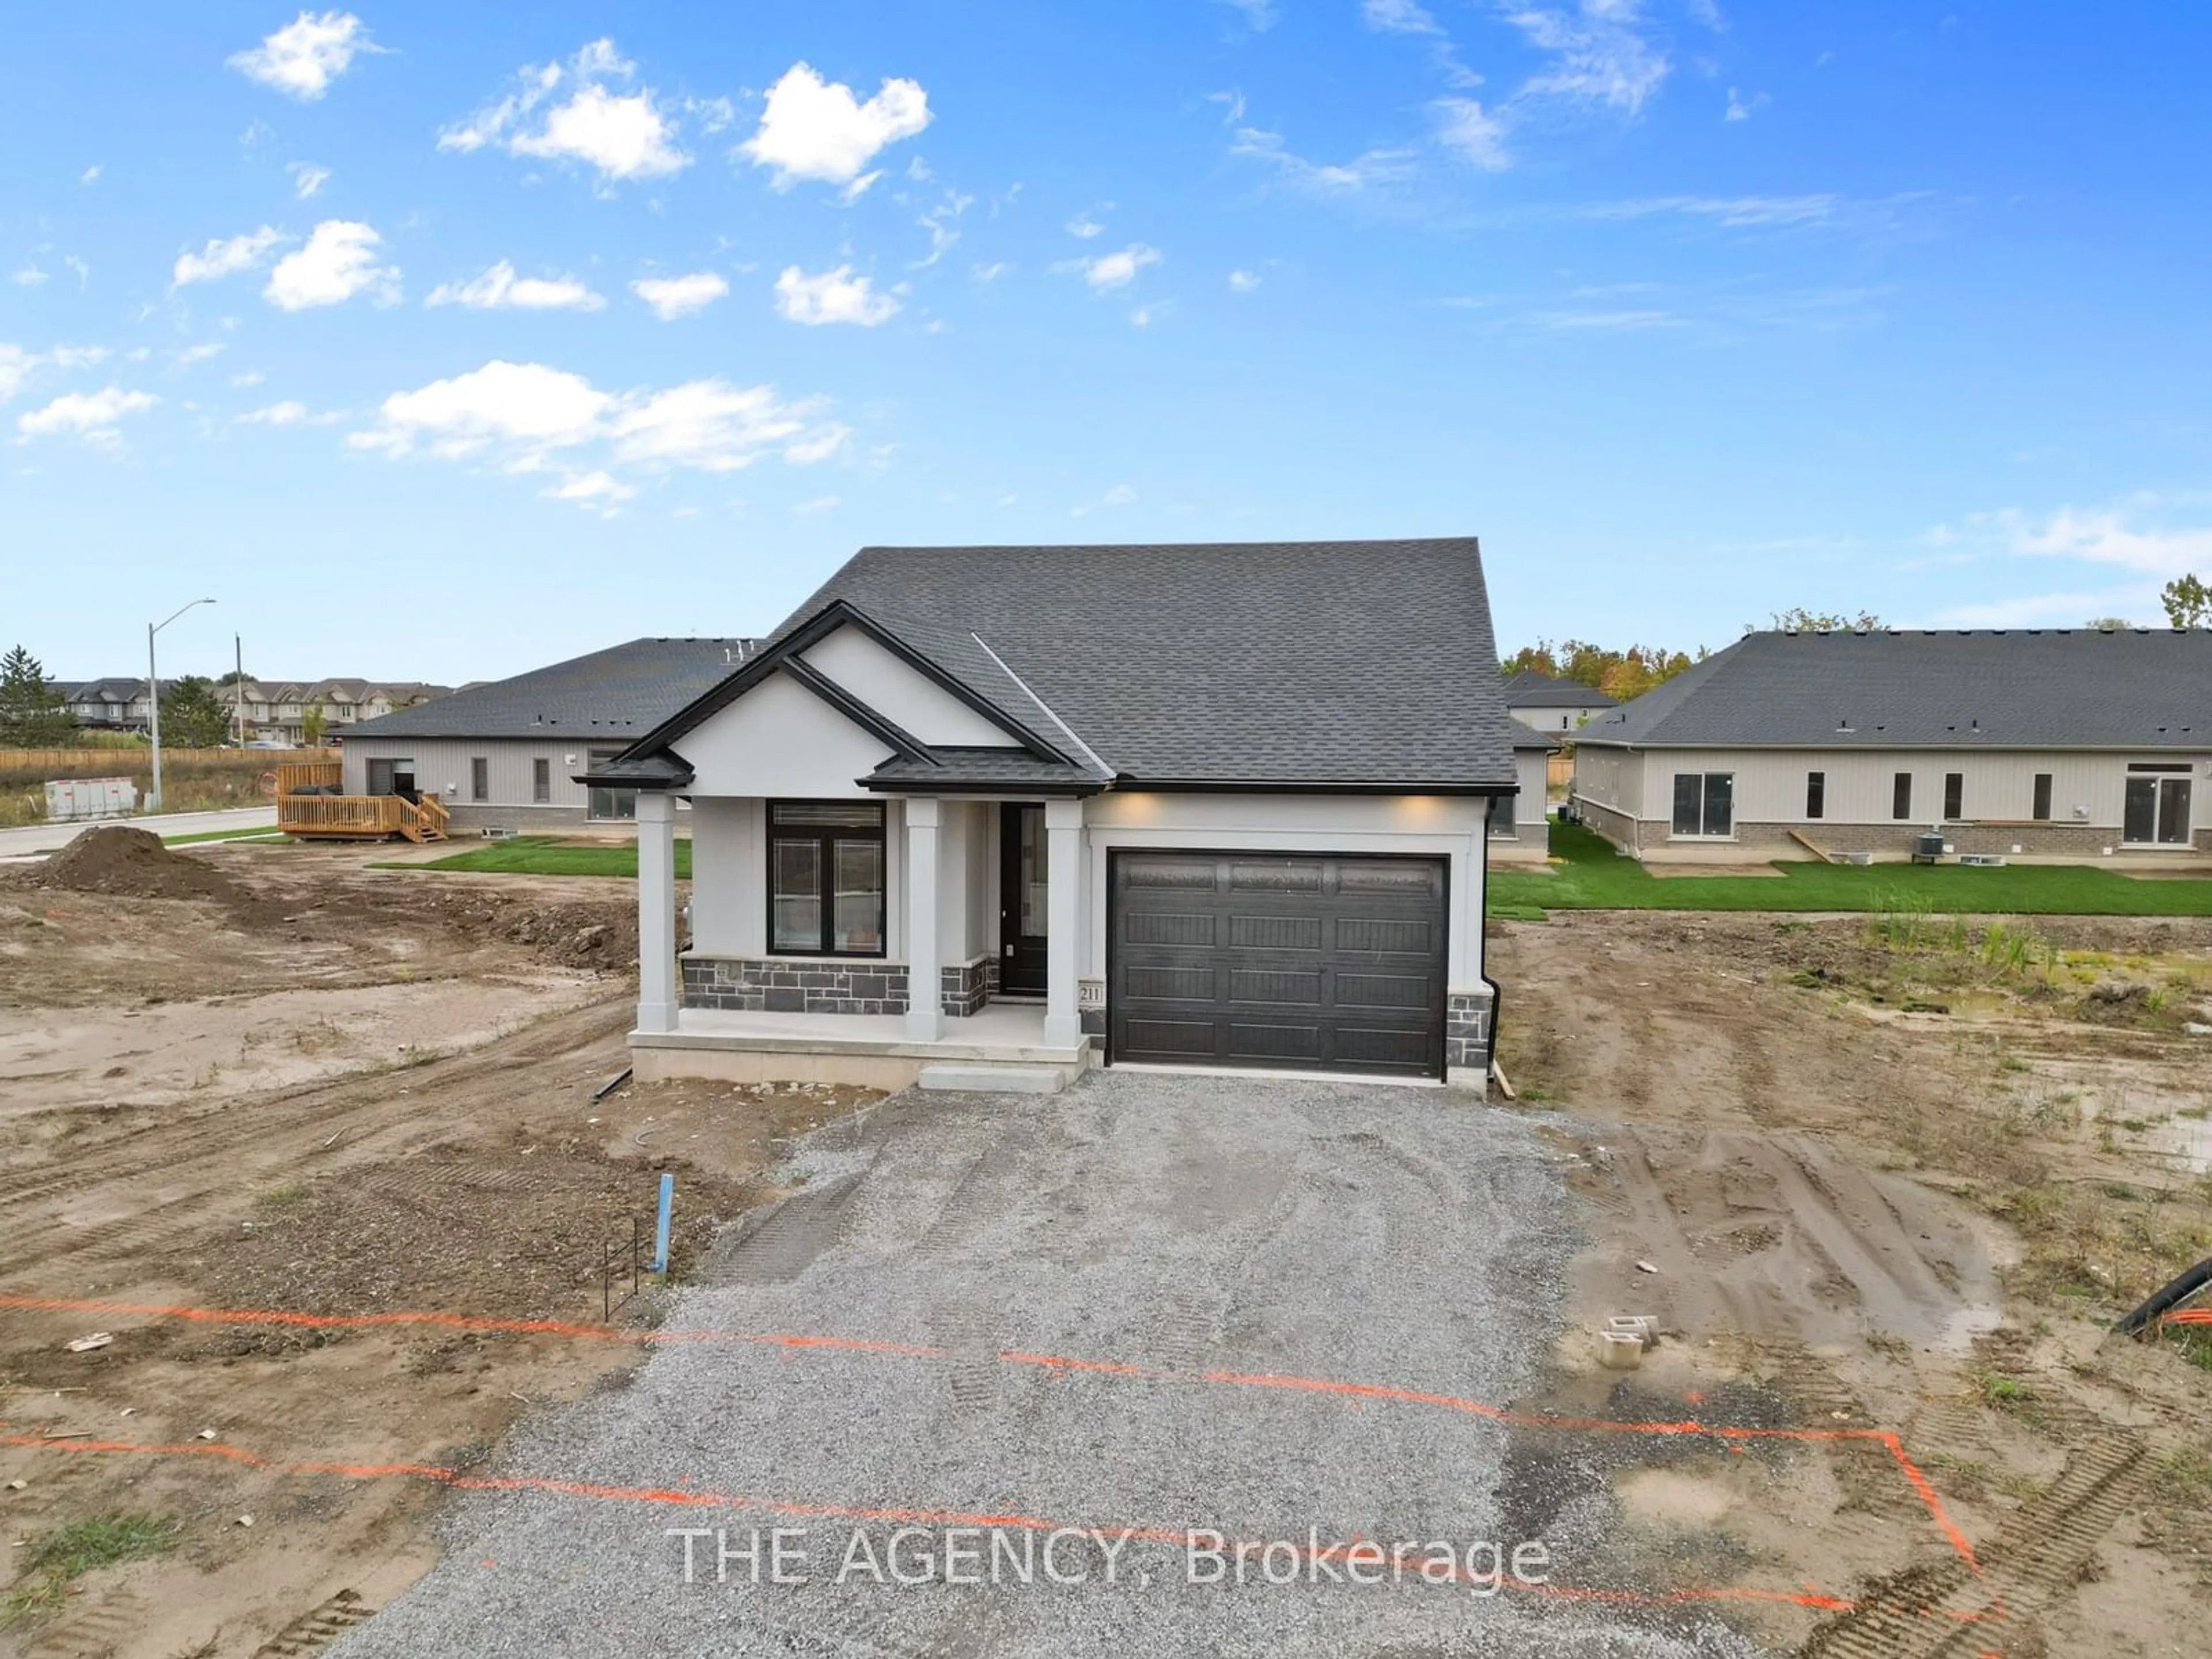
x=71, y=799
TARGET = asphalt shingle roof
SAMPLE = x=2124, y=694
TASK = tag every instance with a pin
x=1353, y=663
x=2039, y=689
x=623, y=692
x=1533, y=688
x=1528, y=737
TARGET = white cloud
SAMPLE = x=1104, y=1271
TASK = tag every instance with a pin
x=225, y=256
x=338, y=261
x=1600, y=55
x=1375, y=167
x=200, y=354
x=834, y=296
x=18, y=368
x=1259, y=15
x=672, y=297
x=499, y=289
x=83, y=270
x=807, y=509
x=287, y=413
x=1243, y=281
x=28, y=276
x=525, y=416
x=599, y=489
x=1120, y=495
x=2157, y=535
x=307, y=178
x=1739, y=108
x=622, y=135
x=1084, y=225
x=302, y=58
x=992, y=272
x=91, y=416
x=1470, y=132
x=817, y=129
x=940, y=221
x=1736, y=212
x=1397, y=18
x=1112, y=270
x=90, y=175
x=248, y=377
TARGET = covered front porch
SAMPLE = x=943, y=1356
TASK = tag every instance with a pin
x=874, y=941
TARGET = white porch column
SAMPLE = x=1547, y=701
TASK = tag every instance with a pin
x=1063, y=830
x=925, y=1006
x=657, y=1000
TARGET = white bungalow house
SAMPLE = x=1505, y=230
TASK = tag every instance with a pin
x=986, y=816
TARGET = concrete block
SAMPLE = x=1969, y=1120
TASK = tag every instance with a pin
x=1619, y=1351
x=994, y=1079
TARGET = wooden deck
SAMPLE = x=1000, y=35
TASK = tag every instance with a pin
x=354, y=817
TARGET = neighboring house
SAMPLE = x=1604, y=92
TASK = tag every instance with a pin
x=1520, y=827
x=508, y=752
x=1552, y=704
x=110, y=705
x=270, y=710
x=2072, y=743
x=1026, y=807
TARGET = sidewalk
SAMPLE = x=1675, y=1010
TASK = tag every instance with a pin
x=36, y=838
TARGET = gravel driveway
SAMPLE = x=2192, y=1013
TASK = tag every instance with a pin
x=1171, y=1226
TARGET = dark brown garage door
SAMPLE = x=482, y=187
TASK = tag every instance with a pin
x=1328, y=964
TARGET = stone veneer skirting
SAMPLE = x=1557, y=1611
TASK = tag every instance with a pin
x=968, y=986
x=1467, y=1031
x=795, y=985
x=2043, y=838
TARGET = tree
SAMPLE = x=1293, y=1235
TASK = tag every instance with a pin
x=191, y=717
x=1798, y=620
x=1619, y=674
x=2109, y=624
x=2188, y=602
x=32, y=714
x=312, y=720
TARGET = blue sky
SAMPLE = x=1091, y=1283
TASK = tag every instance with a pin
x=442, y=342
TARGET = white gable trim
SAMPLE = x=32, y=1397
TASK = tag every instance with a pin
x=780, y=739
x=902, y=694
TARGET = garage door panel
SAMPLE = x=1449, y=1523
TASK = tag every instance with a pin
x=1386, y=936
x=1298, y=962
x=1408, y=991
x=1251, y=933
x=1177, y=1039
x=1171, y=928
x=1252, y=1044
x=1300, y=987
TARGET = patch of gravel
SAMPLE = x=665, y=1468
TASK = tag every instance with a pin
x=1188, y=1226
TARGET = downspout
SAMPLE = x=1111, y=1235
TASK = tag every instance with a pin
x=1482, y=943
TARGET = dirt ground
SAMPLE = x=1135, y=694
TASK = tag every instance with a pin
x=330, y=1091
x=1888, y=1175
x=1876, y=1174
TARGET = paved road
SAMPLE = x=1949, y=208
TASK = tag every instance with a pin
x=47, y=837
x=1183, y=1226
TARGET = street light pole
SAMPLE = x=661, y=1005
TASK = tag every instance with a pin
x=154, y=698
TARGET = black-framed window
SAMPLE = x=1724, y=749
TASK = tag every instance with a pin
x=619, y=805
x=1816, y=794
x=1900, y=796
x=826, y=862
x=541, y=781
x=2042, y=808
x=1705, y=803
x=1502, y=825
x=1954, y=795
x=479, y=778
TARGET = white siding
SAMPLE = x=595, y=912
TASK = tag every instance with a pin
x=902, y=694
x=1998, y=785
x=442, y=767
x=780, y=740
x=1532, y=766
x=1611, y=777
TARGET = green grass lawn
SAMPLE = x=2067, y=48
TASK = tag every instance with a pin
x=550, y=855
x=267, y=833
x=1593, y=877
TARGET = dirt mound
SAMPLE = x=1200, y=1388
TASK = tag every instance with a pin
x=114, y=858
x=584, y=934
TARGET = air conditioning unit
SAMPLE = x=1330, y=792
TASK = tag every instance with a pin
x=1856, y=858
x=1982, y=860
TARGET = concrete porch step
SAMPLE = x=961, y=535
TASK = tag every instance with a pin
x=994, y=1079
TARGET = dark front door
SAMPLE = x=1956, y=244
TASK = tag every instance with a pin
x=1023, y=878
x=1315, y=964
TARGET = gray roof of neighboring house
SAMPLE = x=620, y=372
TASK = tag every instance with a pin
x=1528, y=737
x=1533, y=689
x=1356, y=663
x=621, y=692
x=2034, y=689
